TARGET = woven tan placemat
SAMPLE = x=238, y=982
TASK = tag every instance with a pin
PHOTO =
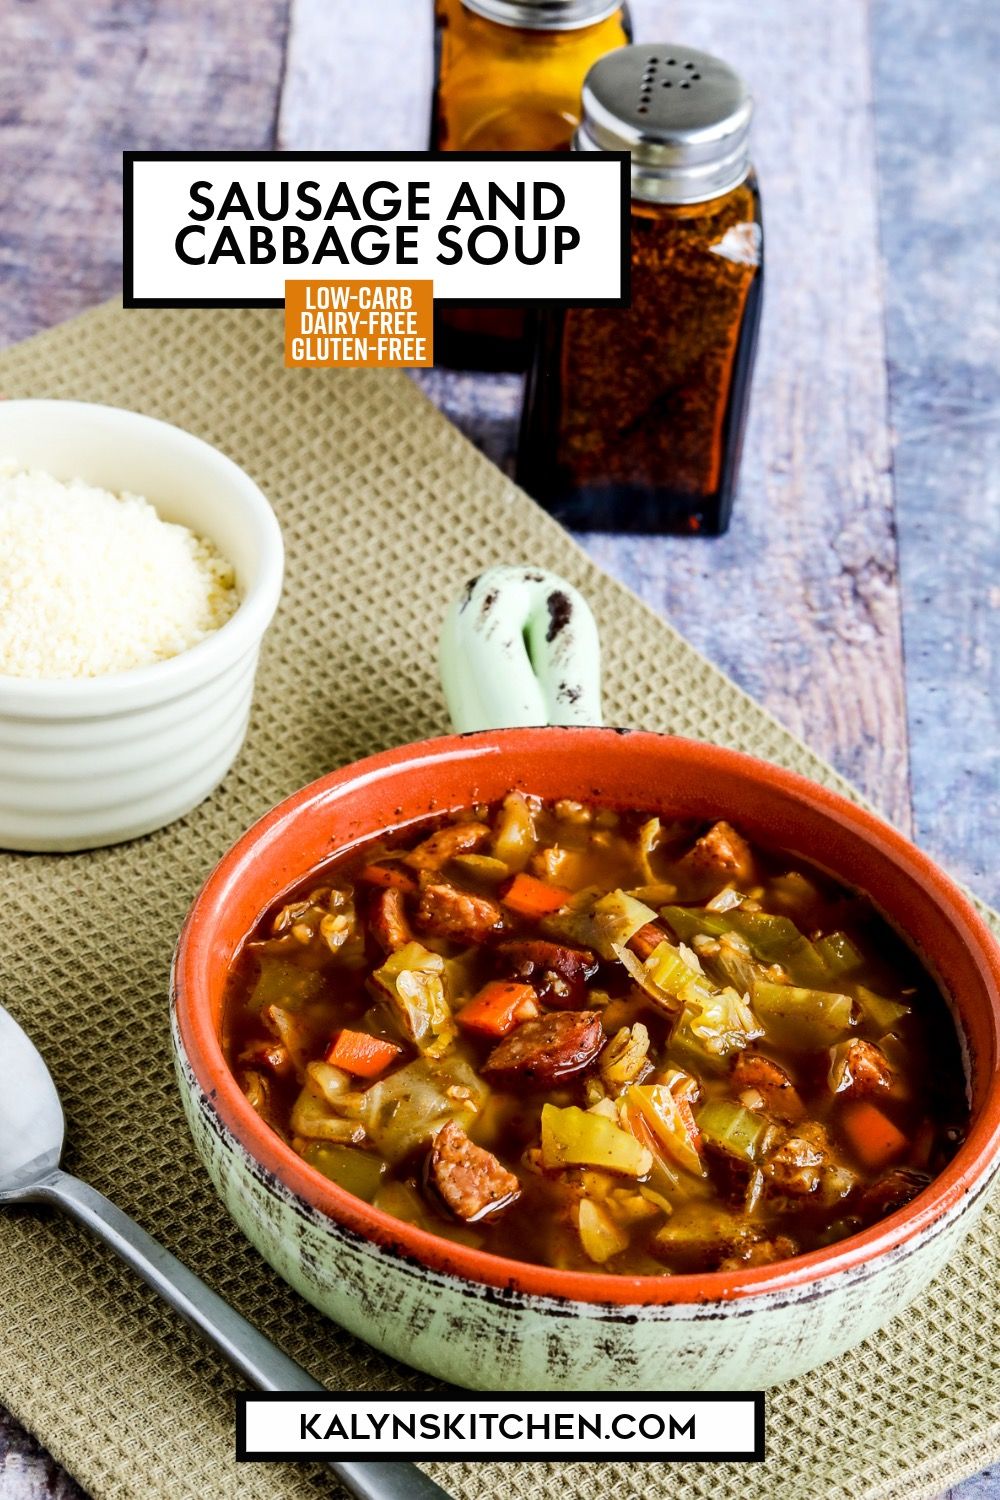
x=386, y=509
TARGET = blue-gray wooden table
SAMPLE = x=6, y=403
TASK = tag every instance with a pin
x=857, y=593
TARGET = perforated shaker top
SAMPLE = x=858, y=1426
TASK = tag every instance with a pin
x=684, y=116
x=544, y=15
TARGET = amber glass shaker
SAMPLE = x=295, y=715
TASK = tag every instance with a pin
x=634, y=417
x=509, y=77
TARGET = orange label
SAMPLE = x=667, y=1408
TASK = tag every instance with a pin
x=354, y=323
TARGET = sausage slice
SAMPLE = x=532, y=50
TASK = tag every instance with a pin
x=894, y=1189
x=542, y=1052
x=457, y=838
x=445, y=911
x=387, y=920
x=558, y=974
x=721, y=851
x=469, y=1178
x=646, y=940
x=771, y=1082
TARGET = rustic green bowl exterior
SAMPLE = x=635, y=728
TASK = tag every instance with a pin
x=479, y=1336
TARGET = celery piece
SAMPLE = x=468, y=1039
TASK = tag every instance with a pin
x=879, y=1015
x=737, y=1131
x=482, y=867
x=803, y=1018
x=412, y=979
x=688, y=921
x=778, y=940
x=356, y=1171
x=838, y=953
x=573, y=1137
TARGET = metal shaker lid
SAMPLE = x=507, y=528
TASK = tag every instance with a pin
x=684, y=116
x=544, y=15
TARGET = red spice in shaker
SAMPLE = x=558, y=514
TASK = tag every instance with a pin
x=634, y=417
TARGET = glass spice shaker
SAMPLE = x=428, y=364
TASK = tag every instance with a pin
x=508, y=78
x=634, y=417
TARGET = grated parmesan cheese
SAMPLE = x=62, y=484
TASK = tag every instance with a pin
x=92, y=583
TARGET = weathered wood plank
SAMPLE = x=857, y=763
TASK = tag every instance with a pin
x=80, y=83
x=26, y=1470
x=799, y=603
x=935, y=79
x=358, y=76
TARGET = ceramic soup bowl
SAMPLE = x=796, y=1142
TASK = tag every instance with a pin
x=479, y=1320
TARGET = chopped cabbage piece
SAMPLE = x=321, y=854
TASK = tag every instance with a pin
x=412, y=979
x=315, y=1119
x=573, y=1137
x=669, y=1121
x=803, y=1018
x=402, y=1111
x=626, y=1056
x=649, y=837
x=600, y=1236
x=514, y=841
x=878, y=1014
x=604, y=924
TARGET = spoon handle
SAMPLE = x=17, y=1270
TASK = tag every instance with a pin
x=258, y=1360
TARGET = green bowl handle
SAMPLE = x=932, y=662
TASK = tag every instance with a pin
x=518, y=647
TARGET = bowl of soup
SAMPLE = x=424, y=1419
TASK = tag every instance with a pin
x=580, y=1059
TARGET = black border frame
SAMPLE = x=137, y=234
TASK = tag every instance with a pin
x=452, y=1456
x=129, y=158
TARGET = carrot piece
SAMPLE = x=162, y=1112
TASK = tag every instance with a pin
x=388, y=878
x=358, y=1053
x=874, y=1138
x=498, y=1008
x=534, y=898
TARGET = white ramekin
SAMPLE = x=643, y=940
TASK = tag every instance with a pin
x=91, y=761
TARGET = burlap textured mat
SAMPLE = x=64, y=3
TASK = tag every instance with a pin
x=385, y=510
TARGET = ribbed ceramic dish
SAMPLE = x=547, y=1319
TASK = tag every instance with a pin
x=92, y=761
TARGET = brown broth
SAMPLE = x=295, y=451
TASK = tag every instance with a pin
x=741, y=1210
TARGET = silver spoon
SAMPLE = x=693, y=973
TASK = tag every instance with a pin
x=31, y=1142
